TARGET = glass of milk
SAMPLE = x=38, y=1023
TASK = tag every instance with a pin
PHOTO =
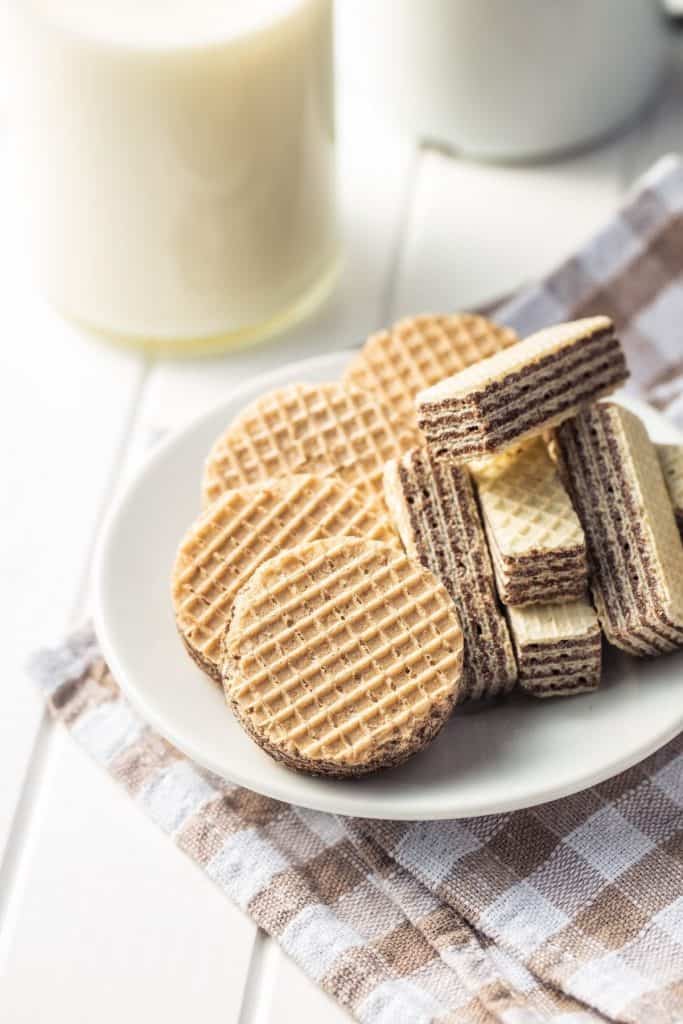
x=177, y=157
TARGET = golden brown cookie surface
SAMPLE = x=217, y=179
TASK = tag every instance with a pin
x=244, y=528
x=419, y=351
x=342, y=657
x=308, y=428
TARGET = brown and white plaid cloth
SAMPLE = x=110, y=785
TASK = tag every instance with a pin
x=569, y=913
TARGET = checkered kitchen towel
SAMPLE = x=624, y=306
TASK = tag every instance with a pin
x=632, y=271
x=571, y=912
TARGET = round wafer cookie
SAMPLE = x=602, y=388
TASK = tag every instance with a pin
x=343, y=657
x=245, y=527
x=420, y=351
x=308, y=428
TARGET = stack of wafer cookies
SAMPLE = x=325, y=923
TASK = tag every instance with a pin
x=341, y=654
x=492, y=418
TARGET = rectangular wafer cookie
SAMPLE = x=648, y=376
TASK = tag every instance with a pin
x=537, y=545
x=634, y=549
x=671, y=460
x=435, y=511
x=558, y=648
x=522, y=390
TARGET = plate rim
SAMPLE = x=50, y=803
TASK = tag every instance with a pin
x=279, y=790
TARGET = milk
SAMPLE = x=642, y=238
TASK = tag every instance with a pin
x=178, y=160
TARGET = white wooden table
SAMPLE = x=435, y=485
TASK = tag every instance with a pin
x=101, y=918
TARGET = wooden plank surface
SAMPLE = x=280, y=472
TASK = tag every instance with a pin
x=65, y=403
x=476, y=232
x=108, y=921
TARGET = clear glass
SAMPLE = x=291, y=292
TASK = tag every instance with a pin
x=178, y=163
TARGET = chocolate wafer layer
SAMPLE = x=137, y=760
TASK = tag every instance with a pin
x=419, y=351
x=671, y=460
x=558, y=648
x=522, y=390
x=635, y=552
x=537, y=545
x=563, y=586
x=435, y=511
x=245, y=527
x=308, y=428
x=342, y=657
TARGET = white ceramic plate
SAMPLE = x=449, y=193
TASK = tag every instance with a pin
x=488, y=759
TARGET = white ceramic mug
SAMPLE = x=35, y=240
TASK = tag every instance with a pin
x=504, y=79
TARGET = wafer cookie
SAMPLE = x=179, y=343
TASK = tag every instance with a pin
x=420, y=351
x=634, y=550
x=342, y=657
x=558, y=648
x=434, y=509
x=522, y=390
x=308, y=428
x=537, y=545
x=245, y=527
x=671, y=460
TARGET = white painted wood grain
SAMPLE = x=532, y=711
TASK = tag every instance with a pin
x=64, y=403
x=109, y=921
x=290, y=987
x=479, y=231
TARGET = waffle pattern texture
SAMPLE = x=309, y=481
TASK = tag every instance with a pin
x=419, y=351
x=245, y=527
x=536, y=540
x=522, y=390
x=634, y=546
x=435, y=511
x=343, y=656
x=568, y=913
x=308, y=428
